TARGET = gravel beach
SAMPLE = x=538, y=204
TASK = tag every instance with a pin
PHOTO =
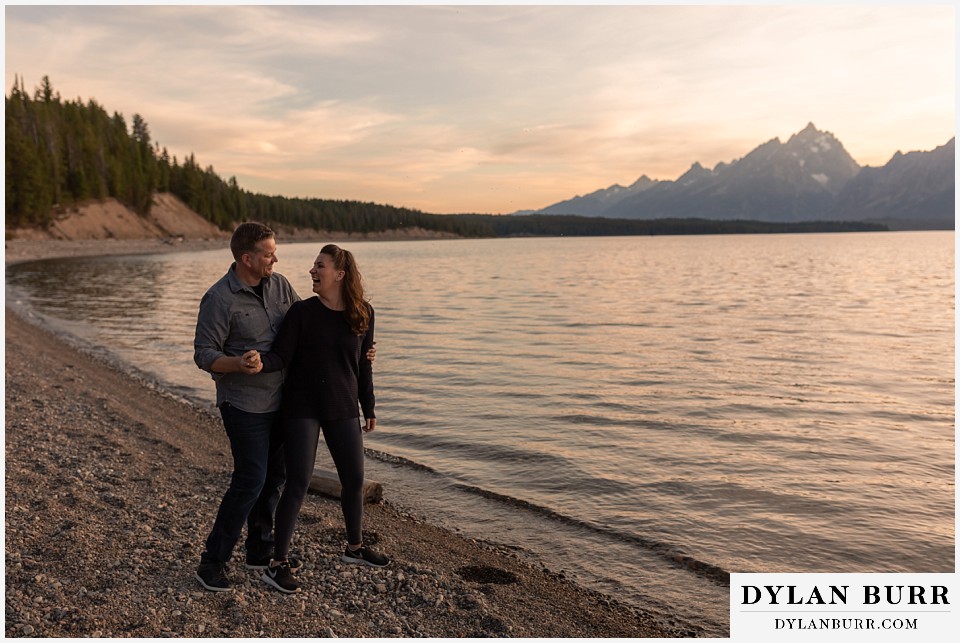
x=112, y=484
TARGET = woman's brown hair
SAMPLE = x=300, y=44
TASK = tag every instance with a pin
x=356, y=307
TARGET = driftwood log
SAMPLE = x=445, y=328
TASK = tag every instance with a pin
x=328, y=484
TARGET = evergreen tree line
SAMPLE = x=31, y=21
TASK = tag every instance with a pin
x=59, y=153
x=552, y=225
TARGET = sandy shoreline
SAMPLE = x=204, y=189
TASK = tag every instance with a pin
x=111, y=486
x=109, y=228
x=19, y=250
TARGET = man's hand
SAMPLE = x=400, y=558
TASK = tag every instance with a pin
x=370, y=425
x=250, y=363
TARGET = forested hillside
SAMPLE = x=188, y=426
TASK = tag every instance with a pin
x=59, y=153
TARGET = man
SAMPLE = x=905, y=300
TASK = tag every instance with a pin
x=241, y=313
x=239, y=318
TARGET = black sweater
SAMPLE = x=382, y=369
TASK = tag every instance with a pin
x=328, y=372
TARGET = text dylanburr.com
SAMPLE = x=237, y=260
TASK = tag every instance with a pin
x=844, y=607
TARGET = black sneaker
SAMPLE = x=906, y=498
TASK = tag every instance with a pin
x=260, y=564
x=213, y=576
x=281, y=578
x=364, y=556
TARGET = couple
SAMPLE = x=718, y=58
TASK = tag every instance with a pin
x=251, y=326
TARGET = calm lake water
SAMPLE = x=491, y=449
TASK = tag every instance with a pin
x=645, y=413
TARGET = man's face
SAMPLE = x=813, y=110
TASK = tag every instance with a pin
x=261, y=260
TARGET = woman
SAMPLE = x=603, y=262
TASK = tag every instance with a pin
x=320, y=342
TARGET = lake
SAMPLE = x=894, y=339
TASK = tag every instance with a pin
x=646, y=414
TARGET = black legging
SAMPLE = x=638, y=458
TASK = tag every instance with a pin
x=344, y=439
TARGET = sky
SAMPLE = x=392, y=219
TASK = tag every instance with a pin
x=496, y=108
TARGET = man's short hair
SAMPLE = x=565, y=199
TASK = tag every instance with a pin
x=246, y=237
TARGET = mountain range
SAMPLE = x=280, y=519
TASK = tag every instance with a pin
x=811, y=177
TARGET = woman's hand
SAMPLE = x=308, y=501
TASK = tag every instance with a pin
x=370, y=425
x=372, y=355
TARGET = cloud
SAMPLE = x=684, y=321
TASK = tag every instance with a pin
x=456, y=107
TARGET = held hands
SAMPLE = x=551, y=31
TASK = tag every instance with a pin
x=249, y=363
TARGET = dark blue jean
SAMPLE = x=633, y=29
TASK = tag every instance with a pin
x=258, y=474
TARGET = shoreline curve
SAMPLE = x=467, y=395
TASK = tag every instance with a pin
x=110, y=484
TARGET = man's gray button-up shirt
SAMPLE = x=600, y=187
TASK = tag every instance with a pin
x=234, y=319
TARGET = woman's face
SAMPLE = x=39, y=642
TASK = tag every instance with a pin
x=326, y=278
